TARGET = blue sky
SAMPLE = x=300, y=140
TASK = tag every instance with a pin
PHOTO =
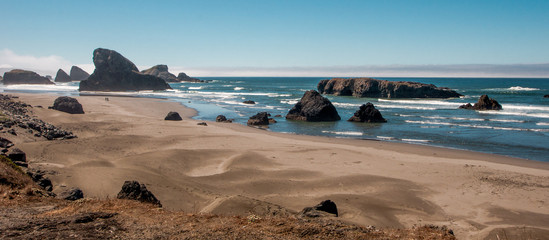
x=209, y=36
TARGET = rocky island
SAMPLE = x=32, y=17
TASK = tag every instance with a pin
x=313, y=107
x=374, y=88
x=18, y=76
x=161, y=71
x=114, y=72
x=62, y=76
x=77, y=74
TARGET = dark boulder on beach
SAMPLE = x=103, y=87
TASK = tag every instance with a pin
x=182, y=77
x=367, y=113
x=17, y=156
x=248, y=102
x=72, y=194
x=114, y=72
x=313, y=107
x=173, y=116
x=62, y=76
x=134, y=191
x=374, y=88
x=259, y=119
x=18, y=76
x=326, y=208
x=68, y=105
x=77, y=74
x=39, y=177
x=222, y=118
x=484, y=103
x=161, y=71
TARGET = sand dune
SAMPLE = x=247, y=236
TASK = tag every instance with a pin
x=232, y=169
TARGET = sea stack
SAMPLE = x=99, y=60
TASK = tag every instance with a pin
x=182, y=77
x=77, y=74
x=161, y=71
x=313, y=107
x=367, y=113
x=18, y=76
x=484, y=103
x=374, y=88
x=62, y=76
x=114, y=72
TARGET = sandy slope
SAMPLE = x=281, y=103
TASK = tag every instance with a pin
x=233, y=169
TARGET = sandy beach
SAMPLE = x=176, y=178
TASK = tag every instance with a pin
x=226, y=168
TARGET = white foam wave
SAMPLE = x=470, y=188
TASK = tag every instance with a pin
x=345, y=105
x=344, y=133
x=238, y=88
x=289, y=101
x=525, y=107
x=543, y=124
x=522, y=114
x=477, y=126
x=41, y=87
x=385, y=138
x=423, y=102
x=415, y=140
x=519, y=88
x=405, y=107
x=195, y=88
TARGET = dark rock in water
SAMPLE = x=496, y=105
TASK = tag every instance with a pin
x=221, y=118
x=313, y=107
x=16, y=155
x=134, y=191
x=374, y=88
x=114, y=72
x=182, y=77
x=261, y=118
x=546, y=96
x=62, y=76
x=71, y=194
x=248, y=102
x=173, y=116
x=68, y=105
x=272, y=120
x=278, y=116
x=466, y=106
x=367, y=113
x=326, y=208
x=484, y=103
x=161, y=71
x=5, y=143
x=18, y=76
x=39, y=178
x=77, y=74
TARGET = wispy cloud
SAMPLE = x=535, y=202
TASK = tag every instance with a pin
x=43, y=65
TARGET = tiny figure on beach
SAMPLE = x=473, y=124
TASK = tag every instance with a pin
x=106, y=99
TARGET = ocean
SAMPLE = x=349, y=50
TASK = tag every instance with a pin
x=521, y=129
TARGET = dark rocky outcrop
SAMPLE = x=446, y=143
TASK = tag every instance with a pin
x=114, y=72
x=134, y=191
x=221, y=118
x=77, y=74
x=248, y=102
x=484, y=103
x=161, y=71
x=367, y=113
x=374, y=88
x=546, y=96
x=38, y=176
x=259, y=119
x=202, y=124
x=18, y=157
x=173, y=116
x=5, y=143
x=72, y=194
x=18, y=76
x=182, y=77
x=62, y=76
x=313, y=107
x=326, y=208
x=68, y=105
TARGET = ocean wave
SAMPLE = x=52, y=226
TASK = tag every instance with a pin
x=519, y=88
x=195, y=88
x=344, y=133
x=405, y=107
x=477, y=126
x=385, y=138
x=346, y=105
x=416, y=140
x=543, y=124
x=522, y=114
x=289, y=101
x=238, y=88
x=41, y=87
x=525, y=107
x=423, y=102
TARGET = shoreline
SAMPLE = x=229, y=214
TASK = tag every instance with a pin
x=226, y=168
